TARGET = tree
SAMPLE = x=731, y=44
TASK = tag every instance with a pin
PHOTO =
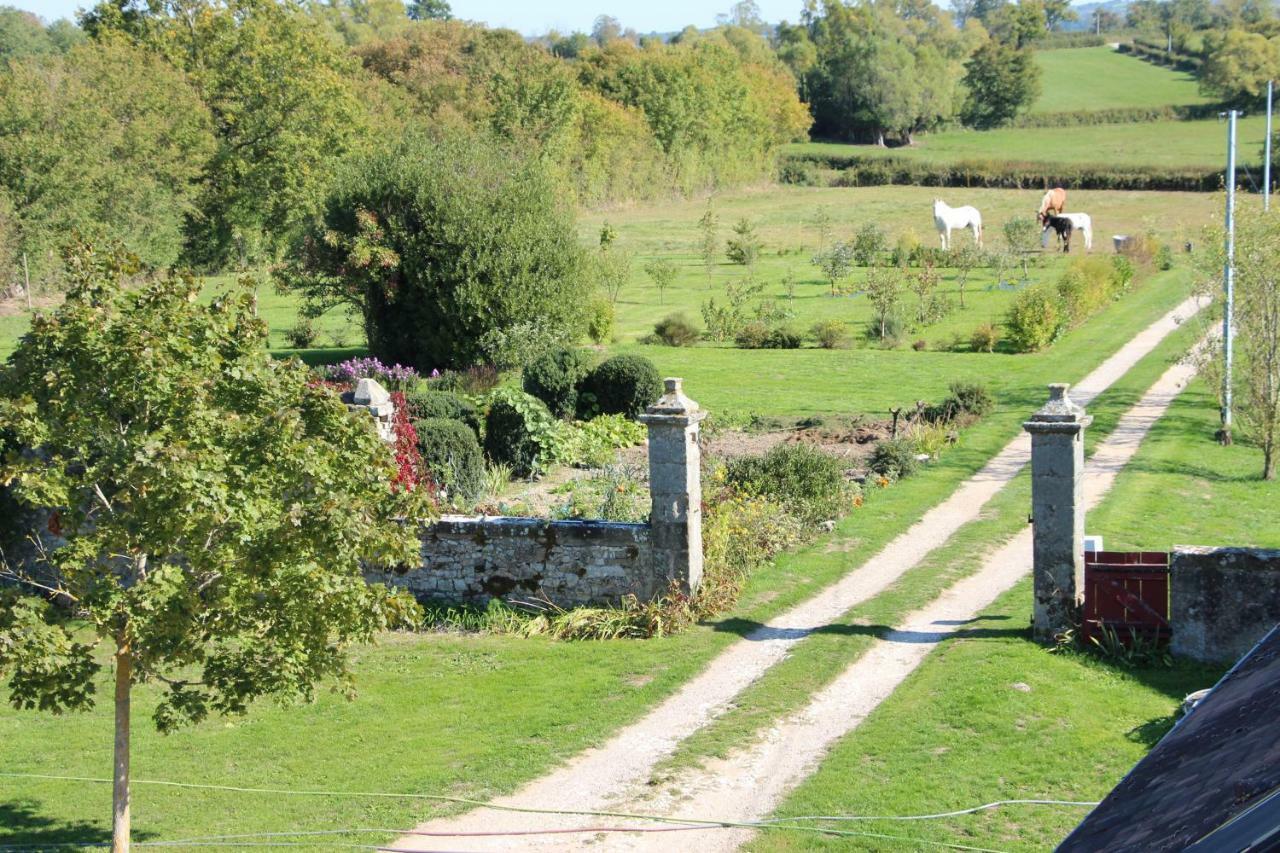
x=606, y=29
x=744, y=14
x=964, y=260
x=836, y=263
x=744, y=246
x=662, y=272
x=709, y=228
x=884, y=292
x=924, y=284
x=1237, y=66
x=1057, y=13
x=430, y=10
x=1002, y=81
x=108, y=141
x=215, y=506
x=612, y=268
x=436, y=243
x=1020, y=24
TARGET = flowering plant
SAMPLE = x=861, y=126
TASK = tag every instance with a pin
x=354, y=369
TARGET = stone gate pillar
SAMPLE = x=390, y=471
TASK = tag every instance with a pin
x=1057, y=511
x=675, y=483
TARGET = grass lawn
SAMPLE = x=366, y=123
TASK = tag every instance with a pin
x=1171, y=144
x=1202, y=493
x=480, y=715
x=1099, y=78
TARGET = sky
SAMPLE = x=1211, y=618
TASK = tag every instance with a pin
x=534, y=18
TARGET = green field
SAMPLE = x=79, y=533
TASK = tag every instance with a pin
x=1099, y=78
x=1171, y=144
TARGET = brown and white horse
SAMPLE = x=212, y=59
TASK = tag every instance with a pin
x=1053, y=203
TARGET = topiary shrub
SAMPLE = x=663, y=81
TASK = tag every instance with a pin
x=520, y=432
x=894, y=458
x=437, y=243
x=1034, y=319
x=622, y=385
x=451, y=455
x=427, y=404
x=554, y=377
x=810, y=483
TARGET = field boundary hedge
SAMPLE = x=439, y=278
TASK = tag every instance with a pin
x=1157, y=54
x=855, y=170
x=1120, y=115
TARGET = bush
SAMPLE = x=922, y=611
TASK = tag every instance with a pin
x=754, y=335
x=1124, y=271
x=921, y=345
x=868, y=244
x=906, y=250
x=480, y=379
x=594, y=443
x=1034, y=319
x=809, y=482
x=1164, y=257
x=438, y=243
x=966, y=398
x=514, y=346
x=894, y=458
x=521, y=433
x=428, y=404
x=676, y=331
x=600, y=317
x=783, y=337
x=1022, y=234
x=451, y=455
x=553, y=379
x=831, y=334
x=622, y=385
x=984, y=338
x=302, y=334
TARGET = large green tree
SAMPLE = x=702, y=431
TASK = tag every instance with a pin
x=436, y=244
x=1237, y=66
x=214, y=509
x=1002, y=81
x=110, y=142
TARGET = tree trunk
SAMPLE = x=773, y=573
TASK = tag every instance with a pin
x=1268, y=461
x=120, y=779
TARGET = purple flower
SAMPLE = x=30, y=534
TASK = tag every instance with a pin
x=354, y=369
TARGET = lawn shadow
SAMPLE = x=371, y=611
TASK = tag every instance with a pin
x=321, y=355
x=1149, y=733
x=23, y=826
x=757, y=632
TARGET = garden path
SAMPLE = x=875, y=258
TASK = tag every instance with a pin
x=599, y=779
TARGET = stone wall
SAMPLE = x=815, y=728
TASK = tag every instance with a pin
x=469, y=560
x=1222, y=601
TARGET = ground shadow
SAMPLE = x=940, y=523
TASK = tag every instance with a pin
x=758, y=632
x=23, y=826
x=1149, y=733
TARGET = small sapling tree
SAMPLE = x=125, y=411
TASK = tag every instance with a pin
x=662, y=272
x=884, y=292
x=744, y=246
x=213, y=509
x=709, y=229
x=965, y=260
x=836, y=263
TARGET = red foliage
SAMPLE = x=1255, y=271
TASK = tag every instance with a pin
x=408, y=460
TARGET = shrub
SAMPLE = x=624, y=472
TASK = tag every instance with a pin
x=617, y=494
x=521, y=433
x=1124, y=270
x=599, y=320
x=593, y=443
x=429, y=404
x=894, y=458
x=920, y=345
x=831, y=334
x=553, y=378
x=907, y=249
x=480, y=379
x=1164, y=257
x=868, y=244
x=1034, y=319
x=1139, y=248
x=302, y=334
x=966, y=398
x=985, y=338
x=744, y=246
x=675, y=330
x=754, y=335
x=451, y=456
x=783, y=337
x=1022, y=234
x=622, y=385
x=513, y=346
x=437, y=243
x=809, y=482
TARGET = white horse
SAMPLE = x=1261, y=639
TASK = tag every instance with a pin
x=1079, y=222
x=949, y=218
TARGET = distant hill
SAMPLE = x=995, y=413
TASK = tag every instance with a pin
x=1086, y=10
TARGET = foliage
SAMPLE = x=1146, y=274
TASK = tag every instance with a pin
x=931, y=306
x=963, y=260
x=1021, y=234
x=593, y=443
x=451, y=456
x=744, y=246
x=894, y=458
x=1237, y=66
x=709, y=245
x=1034, y=319
x=868, y=244
x=618, y=493
x=1087, y=286
x=1002, y=81
x=725, y=321
x=810, y=483
x=831, y=334
x=108, y=142
x=520, y=432
x=612, y=270
x=408, y=460
x=760, y=335
x=662, y=271
x=599, y=320
x=425, y=403
x=215, y=535
x=675, y=330
x=553, y=378
x=985, y=338
x=480, y=379
x=884, y=291
x=836, y=263
x=972, y=399
x=395, y=376
x=740, y=534
x=302, y=334
x=622, y=385
x=438, y=244
x=510, y=347
x=1163, y=258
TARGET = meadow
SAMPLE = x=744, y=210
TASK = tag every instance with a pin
x=1100, y=78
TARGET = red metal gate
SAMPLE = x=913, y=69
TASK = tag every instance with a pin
x=1128, y=593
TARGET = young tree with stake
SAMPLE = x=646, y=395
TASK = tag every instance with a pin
x=212, y=509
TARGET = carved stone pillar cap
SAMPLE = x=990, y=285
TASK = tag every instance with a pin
x=1059, y=413
x=673, y=406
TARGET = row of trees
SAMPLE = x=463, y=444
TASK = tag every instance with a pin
x=210, y=131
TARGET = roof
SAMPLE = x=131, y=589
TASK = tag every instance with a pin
x=1219, y=765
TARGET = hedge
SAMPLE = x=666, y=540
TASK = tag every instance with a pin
x=855, y=170
x=1120, y=115
x=1157, y=54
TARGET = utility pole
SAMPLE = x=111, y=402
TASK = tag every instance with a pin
x=1229, y=279
x=1266, y=161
